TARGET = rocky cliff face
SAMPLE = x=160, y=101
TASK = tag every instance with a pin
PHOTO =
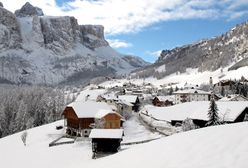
x=9, y=30
x=227, y=50
x=51, y=50
x=93, y=36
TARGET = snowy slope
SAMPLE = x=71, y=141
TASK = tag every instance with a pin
x=191, y=76
x=213, y=147
x=221, y=146
x=227, y=110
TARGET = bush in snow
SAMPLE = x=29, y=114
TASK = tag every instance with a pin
x=188, y=125
x=24, y=137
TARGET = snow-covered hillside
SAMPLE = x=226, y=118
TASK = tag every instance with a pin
x=191, y=76
x=215, y=147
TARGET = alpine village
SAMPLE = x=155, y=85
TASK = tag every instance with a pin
x=68, y=99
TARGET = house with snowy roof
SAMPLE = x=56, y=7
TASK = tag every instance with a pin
x=227, y=86
x=124, y=107
x=81, y=117
x=229, y=112
x=162, y=101
x=131, y=100
x=189, y=95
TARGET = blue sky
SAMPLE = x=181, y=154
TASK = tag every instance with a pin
x=167, y=35
x=145, y=27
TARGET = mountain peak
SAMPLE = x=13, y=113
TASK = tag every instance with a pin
x=55, y=49
x=29, y=10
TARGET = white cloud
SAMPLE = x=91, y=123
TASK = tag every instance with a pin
x=126, y=16
x=154, y=53
x=237, y=15
x=116, y=43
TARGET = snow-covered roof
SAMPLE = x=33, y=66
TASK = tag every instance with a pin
x=190, y=86
x=233, y=97
x=88, y=94
x=103, y=113
x=110, y=97
x=125, y=102
x=228, y=111
x=106, y=133
x=89, y=109
x=164, y=98
x=191, y=91
x=128, y=98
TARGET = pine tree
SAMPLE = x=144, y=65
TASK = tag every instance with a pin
x=222, y=91
x=213, y=114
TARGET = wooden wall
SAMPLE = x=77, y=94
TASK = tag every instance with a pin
x=85, y=122
x=74, y=122
x=112, y=121
x=71, y=117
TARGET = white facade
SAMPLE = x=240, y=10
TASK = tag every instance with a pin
x=191, y=95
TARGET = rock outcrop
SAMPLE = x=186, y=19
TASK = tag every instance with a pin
x=9, y=30
x=60, y=33
x=95, y=31
x=29, y=10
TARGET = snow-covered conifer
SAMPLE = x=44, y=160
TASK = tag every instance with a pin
x=213, y=114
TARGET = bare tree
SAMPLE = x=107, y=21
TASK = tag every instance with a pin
x=100, y=123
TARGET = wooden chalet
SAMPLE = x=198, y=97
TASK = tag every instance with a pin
x=108, y=120
x=224, y=83
x=162, y=101
x=106, y=140
x=79, y=116
x=227, y=86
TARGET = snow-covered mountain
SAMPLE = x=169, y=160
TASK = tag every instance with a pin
x=228, y=50
x=215, y=147
x=45, y=49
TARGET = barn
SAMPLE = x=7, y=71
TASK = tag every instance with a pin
x=106, y=140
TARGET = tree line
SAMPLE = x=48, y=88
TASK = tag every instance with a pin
x=24, y=107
